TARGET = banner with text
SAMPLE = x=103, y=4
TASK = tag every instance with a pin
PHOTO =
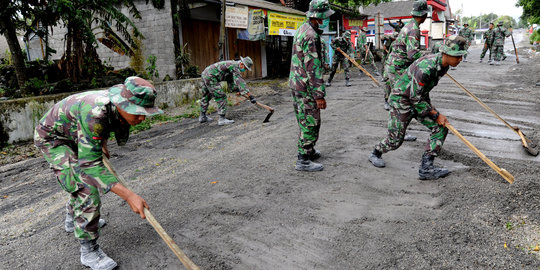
x=255, y=29
x=236, y=17
x=283, y=24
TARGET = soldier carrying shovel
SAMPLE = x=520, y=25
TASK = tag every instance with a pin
x=213, y=75
x=410, y=99
x=73, y=138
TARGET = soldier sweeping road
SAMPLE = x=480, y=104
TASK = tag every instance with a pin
x=213, y=75
x=467, y=34
x=73, y=138
x=488, y=42
x=499, y=34
x=307, y=84
x=410, y=99
x=363, y=48
x=345, y=44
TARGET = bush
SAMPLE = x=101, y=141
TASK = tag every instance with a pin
x=535, y=37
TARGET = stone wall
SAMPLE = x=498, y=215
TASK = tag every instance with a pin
x=19, y=117
x=156, y=27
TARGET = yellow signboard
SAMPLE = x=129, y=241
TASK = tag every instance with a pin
x=356, y=23
x=283, y=24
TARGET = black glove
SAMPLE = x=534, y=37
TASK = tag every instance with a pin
x=252, y=99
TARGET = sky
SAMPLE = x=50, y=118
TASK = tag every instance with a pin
x=478, y=7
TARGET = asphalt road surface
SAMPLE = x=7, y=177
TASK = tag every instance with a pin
x=231, y=199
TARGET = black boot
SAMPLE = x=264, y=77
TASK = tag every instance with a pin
x=429, y=172
x=316, y=154
x=305, y=164
x=376, y=159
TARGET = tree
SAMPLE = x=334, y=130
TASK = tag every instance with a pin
x=531, y=10
x=12, y=18
x=507, y=21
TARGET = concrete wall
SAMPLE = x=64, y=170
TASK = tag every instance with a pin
x=19, y=117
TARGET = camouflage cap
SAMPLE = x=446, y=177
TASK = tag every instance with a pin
x=319, y=9
x=454, y=46
x=347, y=34
x=500, y=23
x=420, y=8
x=136, y=96
x=364, y=29
x=467, y=24
x=247, y=62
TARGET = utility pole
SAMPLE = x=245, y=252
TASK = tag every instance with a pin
x=221, y=43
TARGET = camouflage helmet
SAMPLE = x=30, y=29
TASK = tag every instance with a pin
x=136, y=96
x=500, y=23
x=346, y=34
x=420, y=8
x=466, y=24
x=454, y=46
x=319, y=9
x=248, y=63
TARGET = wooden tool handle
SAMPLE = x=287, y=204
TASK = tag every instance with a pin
x=515, y=50
x=359, y=66
x=264, y=106
x=504, y=173
x=155, y=224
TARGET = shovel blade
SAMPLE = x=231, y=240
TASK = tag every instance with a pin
x=267, y=119
x=531, y=150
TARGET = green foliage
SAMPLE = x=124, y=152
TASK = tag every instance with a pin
x=507, y=21
x=480, y=22
x=535, y=37
x=183, y=63
x=531, y=10
x=151, y=68
x=508, y=225
x=356, y=3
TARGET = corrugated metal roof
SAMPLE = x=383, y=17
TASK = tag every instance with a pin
x=390, y=9
x=268, y=5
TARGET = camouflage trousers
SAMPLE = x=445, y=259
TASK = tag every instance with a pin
x=85, y=201
x=370, y=59
x=308, y=117
x=466, y=50
x=498, y=52
x=336, y=59
x=213, y=88
x=399, y=120
x=484, y=50
x=390, y=74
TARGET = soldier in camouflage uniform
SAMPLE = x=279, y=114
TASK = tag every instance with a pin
x=345, y=44
x=410, y=99
x=362, y=47
x=467, y=34
x=397, y=26
x=498, y=42
x=387, y=41
x=213, y=75
x=324, y=51
x=307, y=84
x=488, y=41
x=73, y=138
x=404, y=51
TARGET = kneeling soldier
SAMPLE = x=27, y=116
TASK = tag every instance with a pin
x=410, y=99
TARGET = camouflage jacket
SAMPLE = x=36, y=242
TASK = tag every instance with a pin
x=82, y=121
x=466, y=33
x=361, y=40
x=488, y=37
x=387, y=41
x=397, y=26
x=406, y=48
x=324, y=51
x=226, y=71
x=344, y=44
x=411, y=91
x=499, y=33
x=306, y=76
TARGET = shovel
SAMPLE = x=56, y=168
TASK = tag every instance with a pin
x=526, y=142
x=504, y=173
x=515, y=50
x=359, y=66
x=168, y=240
x=270, y=111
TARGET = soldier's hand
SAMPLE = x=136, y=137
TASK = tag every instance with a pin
x=137, y=204
x=321, y=103
x=252, y=99
x=442, y=120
